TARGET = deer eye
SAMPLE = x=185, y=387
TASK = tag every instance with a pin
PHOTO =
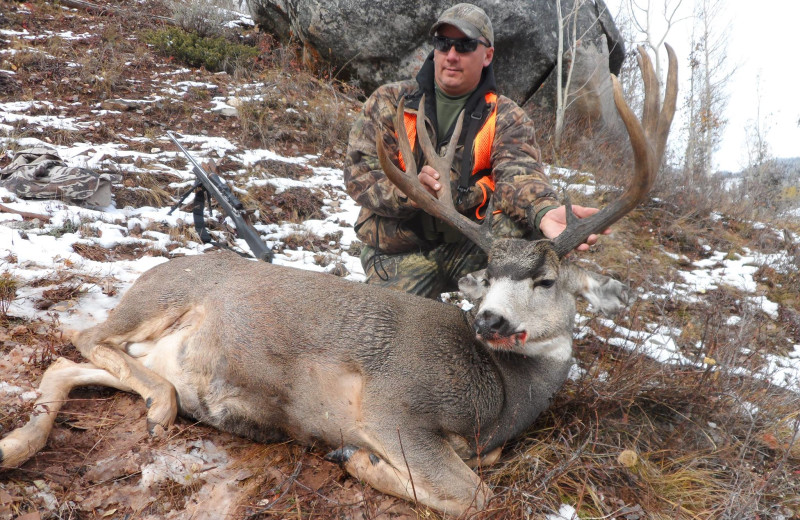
x=544, y=283
x=485, y=282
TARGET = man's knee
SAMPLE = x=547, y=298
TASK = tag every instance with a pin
x=414, y=273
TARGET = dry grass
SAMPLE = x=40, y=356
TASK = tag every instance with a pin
x=296, y=204
x=698, y=448
x=298, y=108
x=204, y=17
x=305, y=240
x=299, y=204
x=145, y=189
x=8, y=293
x=585, y=146
x=272, y=168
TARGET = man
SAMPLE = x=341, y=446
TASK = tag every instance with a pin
x=407, y=249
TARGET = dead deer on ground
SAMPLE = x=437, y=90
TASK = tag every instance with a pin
x=411, y=393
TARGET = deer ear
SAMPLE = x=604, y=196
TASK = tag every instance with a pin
x=474, y=285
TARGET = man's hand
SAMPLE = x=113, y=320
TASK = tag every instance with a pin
x=555, y=221
x=429, y=178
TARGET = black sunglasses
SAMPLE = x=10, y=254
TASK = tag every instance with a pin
x=462, y=45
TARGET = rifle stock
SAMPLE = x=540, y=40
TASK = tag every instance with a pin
x=233, y=207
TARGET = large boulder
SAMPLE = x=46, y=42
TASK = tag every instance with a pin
x=378, y=41
x=590, y=92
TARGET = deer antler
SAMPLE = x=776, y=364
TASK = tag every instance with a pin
x=648, y=140
x=408, y=181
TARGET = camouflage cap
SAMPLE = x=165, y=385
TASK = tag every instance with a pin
x=469, y=19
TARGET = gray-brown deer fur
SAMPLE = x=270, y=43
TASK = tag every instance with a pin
x=391, y=381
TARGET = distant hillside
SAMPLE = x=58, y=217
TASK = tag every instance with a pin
x=789, y=165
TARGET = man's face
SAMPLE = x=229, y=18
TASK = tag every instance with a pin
x=457, y=74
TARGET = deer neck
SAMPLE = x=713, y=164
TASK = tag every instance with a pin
x=529, y=383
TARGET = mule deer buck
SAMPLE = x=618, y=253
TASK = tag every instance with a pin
x=411, y=393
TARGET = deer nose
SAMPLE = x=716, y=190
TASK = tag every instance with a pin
x=489, y=323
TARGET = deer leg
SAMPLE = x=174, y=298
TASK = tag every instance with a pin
x=57, y=382
x=158, y=393
x=438, y=479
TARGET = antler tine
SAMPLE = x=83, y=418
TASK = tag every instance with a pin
x=402, y=139
x=648, y=145
x=651, y=101
x=670, y=97
x=439, y=163
x=408, y=181
x=398, y=177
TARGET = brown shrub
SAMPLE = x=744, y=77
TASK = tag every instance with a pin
x=295, y=204
x=145, y=189
x=8, y=292
x=300, y=204
x=296, y=107
x=91, y=252
x=308, y=241
x=283, y=169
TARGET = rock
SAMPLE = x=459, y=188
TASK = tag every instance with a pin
x=379, y=41
x=225, y=110
x=590, y=84
x=120, y=105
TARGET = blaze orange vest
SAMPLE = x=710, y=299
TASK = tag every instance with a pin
x=481, y=148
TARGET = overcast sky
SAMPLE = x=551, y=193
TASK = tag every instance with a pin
x=762, y=46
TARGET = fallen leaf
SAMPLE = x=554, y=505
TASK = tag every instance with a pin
x=5, y=498
x=770, y=441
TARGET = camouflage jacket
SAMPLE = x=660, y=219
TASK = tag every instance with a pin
x=39, y=173
x=387, y=221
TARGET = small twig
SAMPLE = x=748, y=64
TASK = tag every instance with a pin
x=114, y=480
x=410, y=477
x=24, y=214
x=287, y=482
x=323, y=497
x=288, y=485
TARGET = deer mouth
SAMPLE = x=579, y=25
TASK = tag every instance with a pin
x=504, y=342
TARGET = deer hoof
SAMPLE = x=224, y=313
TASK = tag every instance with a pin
x=160, y=414
x=155, y=429
x=341, y=455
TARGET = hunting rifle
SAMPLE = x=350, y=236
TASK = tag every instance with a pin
x=216, y=189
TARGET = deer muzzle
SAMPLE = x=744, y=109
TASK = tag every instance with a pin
x=497, y=332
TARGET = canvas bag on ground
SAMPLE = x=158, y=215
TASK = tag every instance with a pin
x=39, y=173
